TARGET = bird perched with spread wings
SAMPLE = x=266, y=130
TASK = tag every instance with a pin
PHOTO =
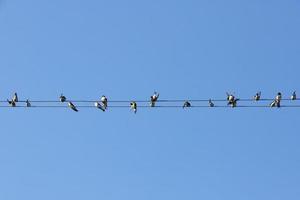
x=72, y=106
x=14, y=100
x=153, y=99
x=231, y=100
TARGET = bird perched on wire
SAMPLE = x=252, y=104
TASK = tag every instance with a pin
x=186, y=104
x=98, y=105
x=15, y=97
x=12, y=103
x=276, y=102
x=133, y=106
x=210, y=103
x=14, y=100
x=62, y=98
x=294, y=96
x=28, y=104
x=72, y=106
x=153, y=99
x=231, y=100
x=104, y=102
x=257, y=96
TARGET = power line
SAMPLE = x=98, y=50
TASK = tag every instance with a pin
x=146, y=101
x=166, y=106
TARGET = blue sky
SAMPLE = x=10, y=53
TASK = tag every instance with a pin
x=126, y=50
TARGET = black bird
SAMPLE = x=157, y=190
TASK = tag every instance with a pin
x=62, y=98
x=276, y=102
x=72, y=106
x=133, y=106
x=153, y=99
x=12, y=103
x=231, y=100
x=15, y=98
x=257, y=96
x=98, y=105
x=104, y=101
x=210, y=103
x=28, y=104
x=294, y=96
x=186, y=104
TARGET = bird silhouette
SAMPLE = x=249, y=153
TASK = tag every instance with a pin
x=12, y=103
x=153, y=99
x=98, y=105
x=294, y=96
x=72, y=106
x=210, y=103
x=277, y=100
x=186, y=104
x=28, y=104
x=104, y=101
x=62, y=98
x=133, y=106
x=257, y=96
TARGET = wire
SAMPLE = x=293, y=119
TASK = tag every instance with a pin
x=167, y=106
x=145, y=101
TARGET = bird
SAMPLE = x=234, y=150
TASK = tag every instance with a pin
x=257, y=96
x=72, y=106
x=186, y=104
x=104, y=101
x=28, y=104
x=12, y=103
x=231, y=100
x=276, y=102
x=153, y=99
x=98, y=105
x=210, y=103
x=133, y=106
x=294, y=96
x=62, y=98
x=14, y=100
x=15, y=97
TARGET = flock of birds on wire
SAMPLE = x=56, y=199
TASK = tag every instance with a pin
x=103, y=103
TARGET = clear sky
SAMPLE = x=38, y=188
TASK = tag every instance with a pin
x=126, y=50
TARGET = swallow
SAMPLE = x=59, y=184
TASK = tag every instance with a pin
x=62, y=98
x=153, y=99
x=12, y=103
x=294, y=96
x=257, y=96
x=15, y=98
x=231, y=100
x=186, y=104
x=104, y=101
x=28, y=104
x=133, y=106
x=72, y=106
x=210, y=103
x=98, y=105
x=276, y=102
